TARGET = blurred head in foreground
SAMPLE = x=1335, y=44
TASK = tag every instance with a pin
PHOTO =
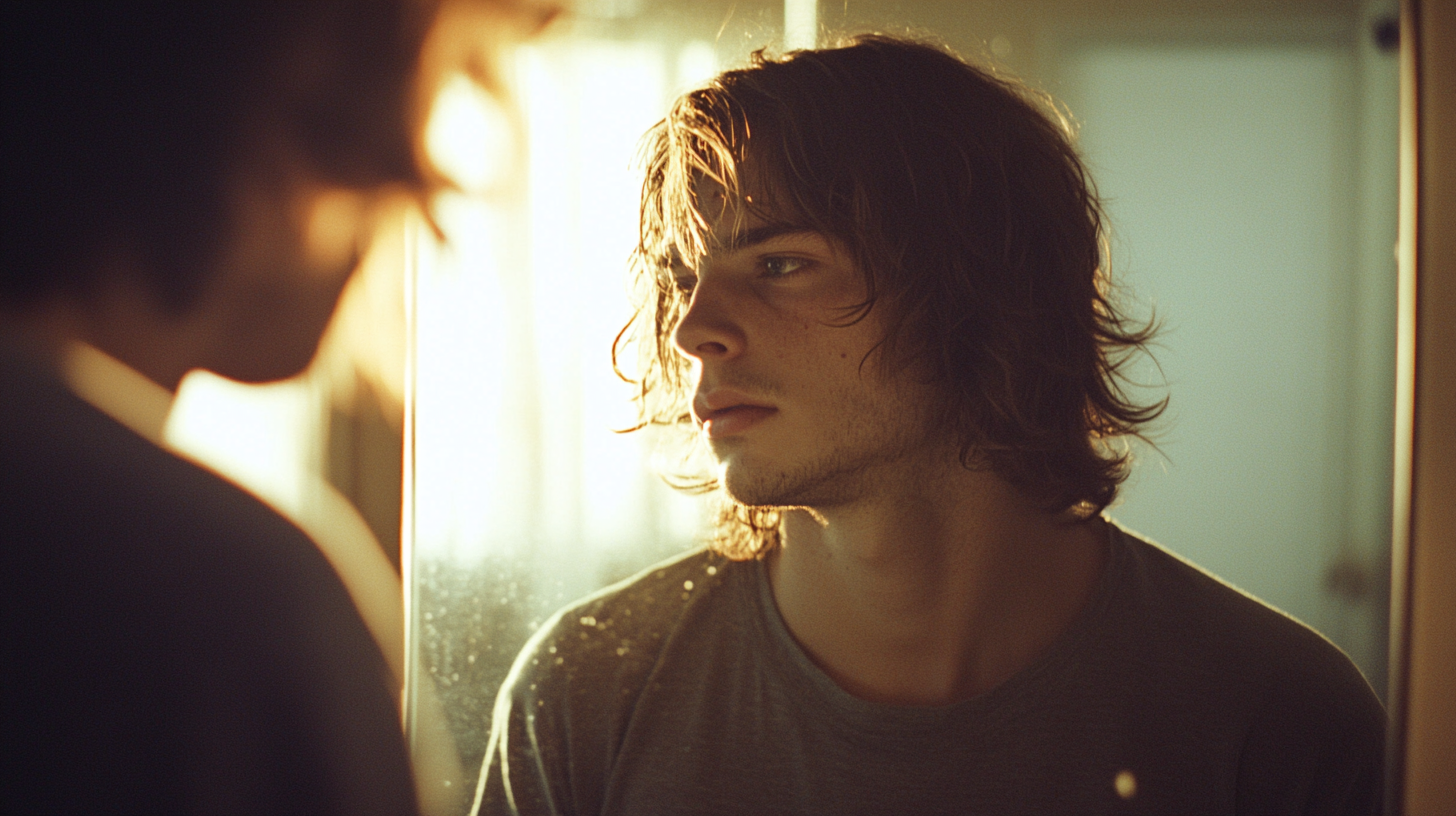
x=978, y=305
x=188, y=185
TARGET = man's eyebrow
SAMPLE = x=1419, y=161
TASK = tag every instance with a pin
x=758, y=235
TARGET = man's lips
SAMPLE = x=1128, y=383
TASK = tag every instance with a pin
x=739, y=418
x=724, y=412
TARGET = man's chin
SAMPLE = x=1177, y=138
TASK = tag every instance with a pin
x=760, y=486
x=742, y=487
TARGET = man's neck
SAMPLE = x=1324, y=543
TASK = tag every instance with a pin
x=936, y=592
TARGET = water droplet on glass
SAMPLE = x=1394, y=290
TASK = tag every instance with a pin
x=588, y=620
x=688, y=585
x=712, y=570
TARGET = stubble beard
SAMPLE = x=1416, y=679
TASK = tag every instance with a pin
x=877, y=446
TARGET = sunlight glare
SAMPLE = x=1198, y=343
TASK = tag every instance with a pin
x=465, y=366
x=697, y=63
x=801, y=23
x=591, y=104
x=259, y=436
x=516, y=401
x=468, y=136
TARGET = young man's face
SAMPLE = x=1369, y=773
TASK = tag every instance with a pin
x=794, y=410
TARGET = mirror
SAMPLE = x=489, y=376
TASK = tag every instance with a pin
x=1247, y=153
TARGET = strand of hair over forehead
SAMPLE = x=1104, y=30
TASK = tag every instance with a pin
x=698, y=149
x=686, y=146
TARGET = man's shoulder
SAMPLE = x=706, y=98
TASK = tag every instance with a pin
x=1215, y=659
x=618, y=633
x=1185, y=608
x=159, y=619
x=571, y=695
x=128, y=535
x=79, y=480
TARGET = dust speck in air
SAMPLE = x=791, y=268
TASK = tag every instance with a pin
x=1125, y=783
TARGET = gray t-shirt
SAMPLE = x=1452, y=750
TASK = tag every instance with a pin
x=681, y=691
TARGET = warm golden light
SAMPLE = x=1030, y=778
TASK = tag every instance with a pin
x=366, y=341
x=333, y=222
x=518, y=307
x=467, y=136
x=519, y=495
x=801, y=23
x=261, y=436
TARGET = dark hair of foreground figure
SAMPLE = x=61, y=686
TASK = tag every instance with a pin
x=126, y=123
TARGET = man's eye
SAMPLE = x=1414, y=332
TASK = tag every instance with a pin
x=685, y=283
x=776, y=267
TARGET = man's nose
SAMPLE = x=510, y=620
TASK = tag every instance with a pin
x=709, y=329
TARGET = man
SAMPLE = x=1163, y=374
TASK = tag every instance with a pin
x=876, y=288
x=186, y=185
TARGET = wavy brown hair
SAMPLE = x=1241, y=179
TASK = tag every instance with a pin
x=960, y=197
